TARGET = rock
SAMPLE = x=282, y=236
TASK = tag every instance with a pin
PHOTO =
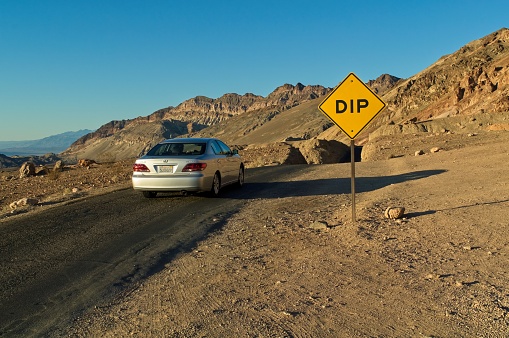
x=59, y=166
x=41, y=170
x=23, y=202
x=394, y=212
x=419, y=152
x=498, y=127
x=268, y=154
x=317, y=151
x=27, y=169
x=85, y=162
x=318, y=225
x=434, y=150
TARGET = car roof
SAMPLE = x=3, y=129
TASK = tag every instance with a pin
x=188, y=140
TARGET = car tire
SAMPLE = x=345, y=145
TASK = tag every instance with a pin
x=216, y=185
x=149, y=194
x=240, y=180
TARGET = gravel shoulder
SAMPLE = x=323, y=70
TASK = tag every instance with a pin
x=55, y=189
x=298, y=266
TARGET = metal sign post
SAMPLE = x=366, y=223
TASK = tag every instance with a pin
x=352, y=158
x=352, y=106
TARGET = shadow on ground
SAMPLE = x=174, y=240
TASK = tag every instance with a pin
x=328, y=186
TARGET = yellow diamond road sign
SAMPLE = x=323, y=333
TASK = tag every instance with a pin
x=352, y=105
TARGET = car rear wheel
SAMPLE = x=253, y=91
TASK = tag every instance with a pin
x=216, y=185
x=240, y=181
x=149, y=194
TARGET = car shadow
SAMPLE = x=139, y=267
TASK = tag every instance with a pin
x=326, y=186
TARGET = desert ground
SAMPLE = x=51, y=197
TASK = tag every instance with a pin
x=302, y=267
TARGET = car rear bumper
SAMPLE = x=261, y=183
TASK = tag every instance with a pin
x=192, y=182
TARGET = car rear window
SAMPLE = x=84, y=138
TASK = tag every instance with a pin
x=177, y=149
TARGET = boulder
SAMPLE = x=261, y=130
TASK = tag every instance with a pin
x=394, y=212
x=59, y=166
x=271, y=154
x=316, y=151
x=27, y=169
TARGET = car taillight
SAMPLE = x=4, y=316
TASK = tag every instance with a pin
x=195, y=167
x=140, y=167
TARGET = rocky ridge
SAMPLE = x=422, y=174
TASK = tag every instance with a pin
x=471, y=80
x=130, y=138
x=232, y=117
x=475, y=78
x=383, y=83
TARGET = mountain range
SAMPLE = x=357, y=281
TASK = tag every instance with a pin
x=51, y=144
x=471, y=80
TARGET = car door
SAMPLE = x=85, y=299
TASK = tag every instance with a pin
x=220, y=160
x=229, y=162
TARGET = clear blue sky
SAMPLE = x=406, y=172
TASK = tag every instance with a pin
x=67, y=65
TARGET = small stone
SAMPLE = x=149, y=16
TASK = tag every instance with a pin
x=318, y=225
x=434, y=150
x=394, y=212
x=419, y=152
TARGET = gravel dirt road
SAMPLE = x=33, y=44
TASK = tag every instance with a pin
x=295, y=265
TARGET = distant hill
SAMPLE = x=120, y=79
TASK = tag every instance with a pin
x=51, y=144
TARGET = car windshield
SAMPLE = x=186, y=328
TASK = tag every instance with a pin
x=177, y=149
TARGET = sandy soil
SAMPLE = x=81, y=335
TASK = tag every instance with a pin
x=300, y=267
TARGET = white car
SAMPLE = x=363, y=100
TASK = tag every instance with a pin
x=188, y=165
